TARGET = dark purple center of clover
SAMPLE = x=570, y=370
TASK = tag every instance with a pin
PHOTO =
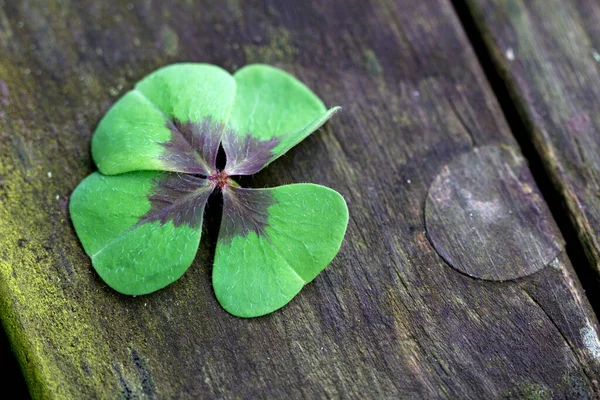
x=193, y=147
x=180, y=197
x=247, y=155
x=244, y=211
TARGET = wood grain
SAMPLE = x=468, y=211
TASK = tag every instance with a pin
x=387, y=319
x=548, y=55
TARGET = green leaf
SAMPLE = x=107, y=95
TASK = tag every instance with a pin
x=272, y=112
x=173, y=121
x=274, y=241
x=141, y=229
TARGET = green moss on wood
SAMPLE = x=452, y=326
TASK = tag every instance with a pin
x=278, y=47
x=372, y=63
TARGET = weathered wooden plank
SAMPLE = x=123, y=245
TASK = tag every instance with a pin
x=548, y=53
x=388, y=318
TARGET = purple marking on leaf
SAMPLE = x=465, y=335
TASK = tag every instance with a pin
x=244, y=211
x=179, y=198
x=179, y=156
x=246, y=155
x=193, y=146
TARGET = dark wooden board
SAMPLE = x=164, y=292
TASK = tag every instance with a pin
x=548, y=54
x=387, y=319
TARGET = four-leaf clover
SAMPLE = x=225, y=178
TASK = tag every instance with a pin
x=140, y=217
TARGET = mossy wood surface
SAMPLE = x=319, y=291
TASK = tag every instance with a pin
x=388, y=318
x=548, y=53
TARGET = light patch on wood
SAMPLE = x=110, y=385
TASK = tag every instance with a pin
x=591, y=342
x=4, y=93
x=510, y=54
x=488, y=211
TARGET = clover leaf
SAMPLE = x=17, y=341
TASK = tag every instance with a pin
x=140, y=217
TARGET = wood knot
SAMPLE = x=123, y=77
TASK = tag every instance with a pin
x=486, y=217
